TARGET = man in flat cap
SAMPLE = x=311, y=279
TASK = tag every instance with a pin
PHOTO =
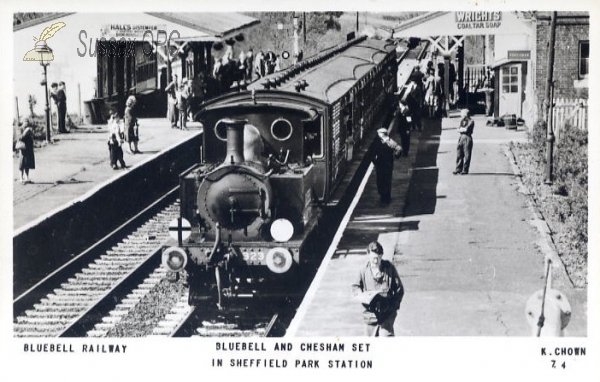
x=382, y=155
x=379, y=289
x=465, y=143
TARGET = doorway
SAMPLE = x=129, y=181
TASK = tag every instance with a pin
x=510, y=90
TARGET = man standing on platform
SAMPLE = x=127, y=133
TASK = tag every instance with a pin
x=183, y=94
x=403, y=126
x=379, y=288
x=383, y=153
x=172, y=111
x=60, y=99
x=465, y=143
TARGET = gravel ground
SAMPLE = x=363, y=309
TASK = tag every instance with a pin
x=151, y=309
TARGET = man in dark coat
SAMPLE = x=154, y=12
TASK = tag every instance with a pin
x=60, y=99
x=383, y=153
x=403, y=126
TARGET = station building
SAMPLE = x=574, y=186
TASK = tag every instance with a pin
x=138, y=54
x=516, y=50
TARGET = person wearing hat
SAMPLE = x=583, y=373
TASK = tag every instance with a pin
x=403, y=126
x=271, y=61
x=59, y=96
x=379, y=289
x=25, y=146
x=131, y=125
x=116, y=136
x=382, y=155
x=465, y=143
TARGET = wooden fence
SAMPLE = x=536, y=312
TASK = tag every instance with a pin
x=569, y=112
x=473, y=77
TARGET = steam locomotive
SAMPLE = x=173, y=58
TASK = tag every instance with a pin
x=274, y=156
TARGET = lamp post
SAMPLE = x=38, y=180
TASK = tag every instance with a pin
x=47, y=108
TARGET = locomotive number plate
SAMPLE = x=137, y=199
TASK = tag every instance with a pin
x=254, y=256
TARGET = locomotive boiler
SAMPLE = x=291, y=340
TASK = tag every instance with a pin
x=276, y=155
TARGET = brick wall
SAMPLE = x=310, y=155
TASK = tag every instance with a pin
x=569, y=32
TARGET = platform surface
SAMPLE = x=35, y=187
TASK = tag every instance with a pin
x=464, y=245
x=78, y=162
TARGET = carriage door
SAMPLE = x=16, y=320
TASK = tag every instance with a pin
x=348, y=123
x=510, y=90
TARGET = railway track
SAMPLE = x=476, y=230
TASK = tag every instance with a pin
x=186, y=321
x=82, y=296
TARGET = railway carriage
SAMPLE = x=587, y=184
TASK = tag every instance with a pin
x=274, y=155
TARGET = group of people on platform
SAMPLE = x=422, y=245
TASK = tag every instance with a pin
x=25, y=141
x=248, y=66
x=121, y=131
x=58, y=93
x=179, y=95
x=422, y=96
x=429, y=89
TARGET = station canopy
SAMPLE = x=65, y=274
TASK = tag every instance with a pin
x=214, y=26
x=446, y=30
x=195, y=26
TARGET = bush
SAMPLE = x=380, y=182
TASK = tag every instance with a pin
x=564, y=204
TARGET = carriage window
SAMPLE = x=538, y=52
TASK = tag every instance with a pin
x=313, y=139
x=221, y=130
x=281, y=129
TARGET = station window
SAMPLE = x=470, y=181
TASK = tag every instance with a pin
x=281, y=129
x=510, y=79
x=584, y=59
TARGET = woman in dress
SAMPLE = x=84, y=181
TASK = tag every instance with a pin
x=131, y=125
x=27, y=160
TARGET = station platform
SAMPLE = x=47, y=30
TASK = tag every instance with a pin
x=465, y=246
x=78, y=162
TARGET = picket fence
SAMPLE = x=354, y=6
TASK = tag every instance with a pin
x=571, y=112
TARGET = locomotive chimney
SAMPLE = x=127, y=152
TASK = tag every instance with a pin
x=235, y=140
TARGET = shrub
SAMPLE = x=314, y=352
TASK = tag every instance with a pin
x=564, y=204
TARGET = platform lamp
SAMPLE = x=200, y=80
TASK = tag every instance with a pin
x=44, y=83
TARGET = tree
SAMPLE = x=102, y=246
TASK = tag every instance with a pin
x=32, y=102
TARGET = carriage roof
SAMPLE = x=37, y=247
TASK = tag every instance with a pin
x=332, y=78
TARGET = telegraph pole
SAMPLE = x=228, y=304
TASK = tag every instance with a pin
x=304, y=27
x=548, y=101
